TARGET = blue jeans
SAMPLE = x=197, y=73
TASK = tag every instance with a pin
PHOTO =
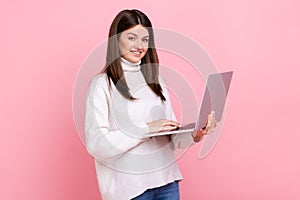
x=166, y=192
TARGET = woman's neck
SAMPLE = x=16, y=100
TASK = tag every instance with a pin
x=130, y=66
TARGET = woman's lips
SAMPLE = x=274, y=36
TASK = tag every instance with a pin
x=136, y=53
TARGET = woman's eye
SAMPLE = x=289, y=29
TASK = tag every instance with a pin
x=145, y=40
x=131, y=38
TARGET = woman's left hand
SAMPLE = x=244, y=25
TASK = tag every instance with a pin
x=210, y=125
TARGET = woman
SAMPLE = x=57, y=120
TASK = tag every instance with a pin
x=126, y=101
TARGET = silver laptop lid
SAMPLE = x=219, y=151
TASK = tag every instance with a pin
x=214, y=97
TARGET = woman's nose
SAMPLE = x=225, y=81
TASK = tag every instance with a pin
x=138, y=44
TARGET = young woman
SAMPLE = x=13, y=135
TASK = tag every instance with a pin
x=126, y=101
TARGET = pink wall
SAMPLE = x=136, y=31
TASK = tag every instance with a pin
x=43, y=44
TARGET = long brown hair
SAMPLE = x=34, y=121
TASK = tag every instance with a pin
x=124, y=20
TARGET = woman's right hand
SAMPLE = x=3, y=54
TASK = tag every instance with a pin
x=210, y=125
x=162, y=125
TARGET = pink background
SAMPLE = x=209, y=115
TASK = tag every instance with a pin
x=43, y=44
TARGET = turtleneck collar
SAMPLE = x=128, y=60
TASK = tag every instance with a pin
x=129, y=66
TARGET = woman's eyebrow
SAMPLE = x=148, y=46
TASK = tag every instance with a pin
x=136, y=35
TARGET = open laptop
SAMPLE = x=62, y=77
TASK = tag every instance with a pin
x=213, y=99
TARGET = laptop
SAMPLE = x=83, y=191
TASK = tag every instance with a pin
x=213, y=99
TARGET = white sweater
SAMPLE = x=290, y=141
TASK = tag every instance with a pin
x=127, y=164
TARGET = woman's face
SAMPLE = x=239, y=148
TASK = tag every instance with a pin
x=133, y=43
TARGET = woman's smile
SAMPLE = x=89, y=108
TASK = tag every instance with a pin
x=136, y=53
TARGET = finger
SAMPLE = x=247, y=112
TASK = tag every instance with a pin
x=211, y=128
x=208, y=124
x=207, y=128
x=210, y=118
x=170, y=123
x=215, y=124
x=169, y=128
x=213, y=114
x=174, y=123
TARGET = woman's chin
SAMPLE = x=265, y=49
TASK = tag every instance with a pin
x=134, y=59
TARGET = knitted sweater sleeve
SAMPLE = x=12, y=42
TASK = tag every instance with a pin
x=103, y=142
